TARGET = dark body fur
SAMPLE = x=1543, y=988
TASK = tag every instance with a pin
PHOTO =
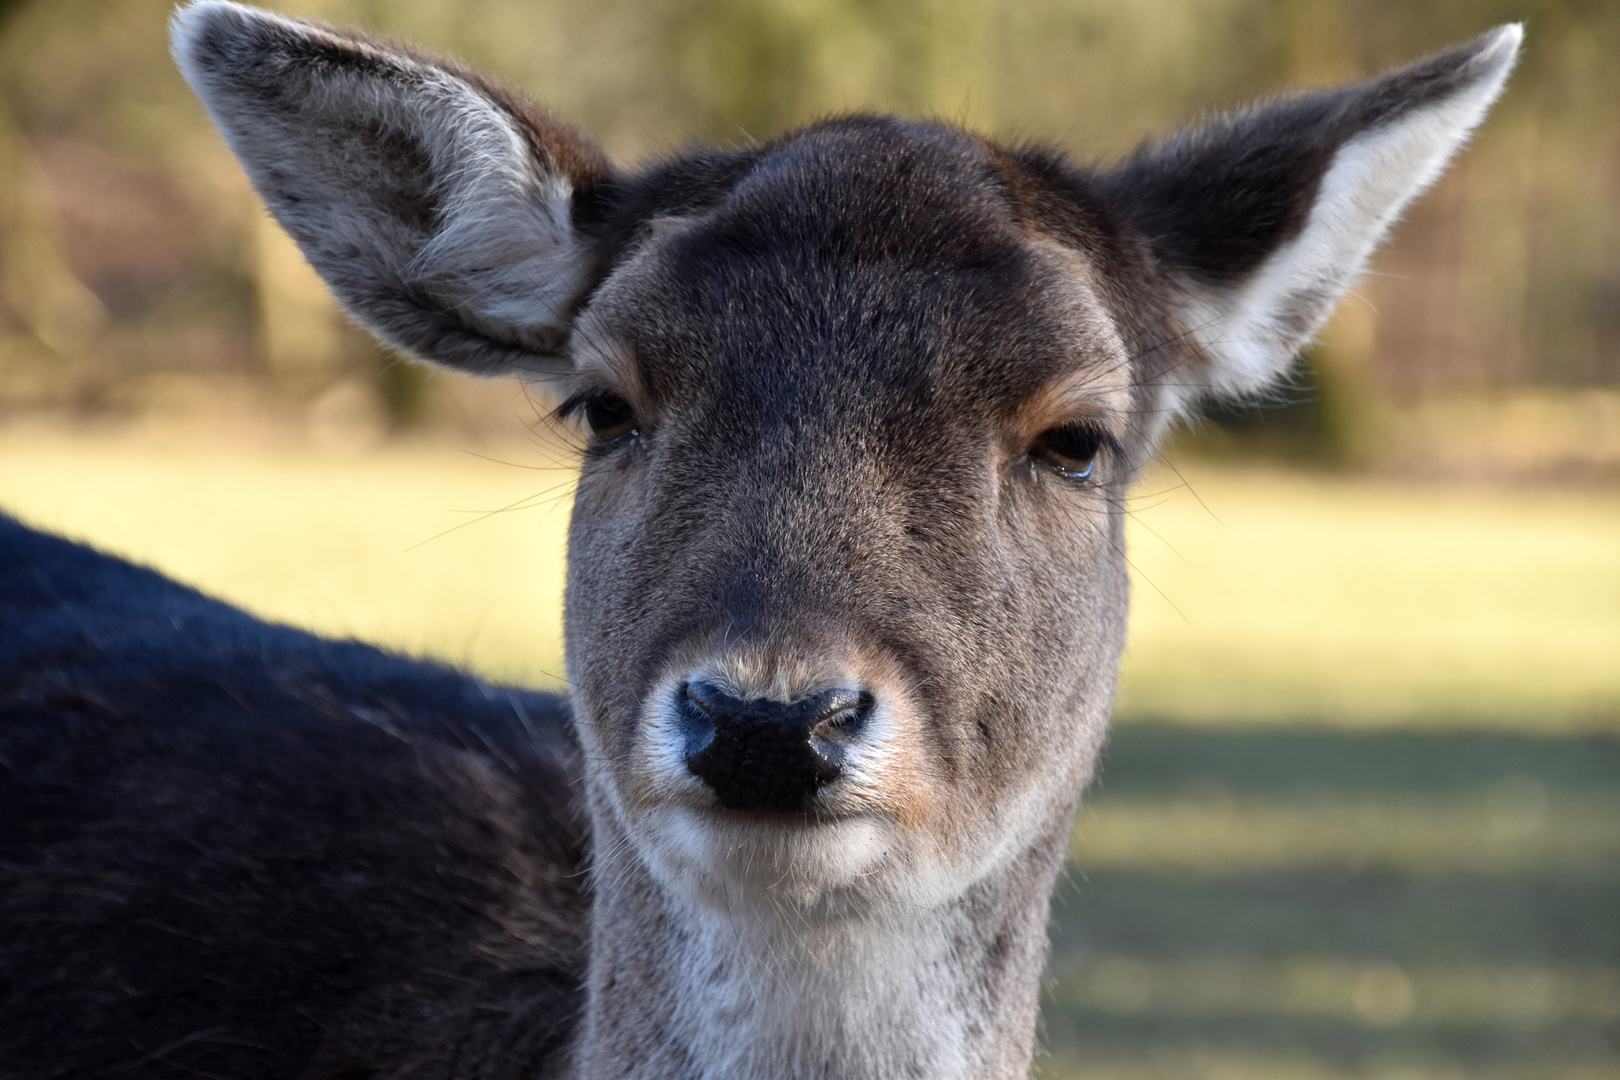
x=233, y=849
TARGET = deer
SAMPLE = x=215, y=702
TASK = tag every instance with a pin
x=846, y=589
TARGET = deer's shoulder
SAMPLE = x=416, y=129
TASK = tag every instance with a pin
x=280, y=821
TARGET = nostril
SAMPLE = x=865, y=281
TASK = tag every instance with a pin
x=760, y=754
x=708, y=697
x=840, y=722
x=697, y=729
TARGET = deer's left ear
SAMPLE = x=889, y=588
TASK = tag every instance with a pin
x=1264, y=219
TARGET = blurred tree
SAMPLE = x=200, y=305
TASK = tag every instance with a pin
x=131, y=248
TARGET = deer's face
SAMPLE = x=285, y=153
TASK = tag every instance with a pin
x=846, y=585
x=846, y=590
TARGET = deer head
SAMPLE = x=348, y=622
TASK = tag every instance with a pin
x=846, y=585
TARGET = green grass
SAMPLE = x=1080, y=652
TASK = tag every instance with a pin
x=1264, y=597
x=1259, y=597
x=1360, y=816
x=1276, y=900
x=392, y=547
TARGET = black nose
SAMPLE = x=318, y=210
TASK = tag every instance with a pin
x=764, y=755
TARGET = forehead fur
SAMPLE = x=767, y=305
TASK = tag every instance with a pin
x=862, y=189
x=845, y=253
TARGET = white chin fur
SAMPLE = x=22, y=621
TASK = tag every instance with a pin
x=728, y=862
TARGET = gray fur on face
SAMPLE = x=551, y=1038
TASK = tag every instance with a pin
x=866, y=399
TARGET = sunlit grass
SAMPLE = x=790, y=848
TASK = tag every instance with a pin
x=1259, y=596
x=393, y=547
x=1369, y=994
x=1270, y=596
x=1226, y=1065
x=1515, y=831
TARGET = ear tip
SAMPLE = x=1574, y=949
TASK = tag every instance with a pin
x=1471, y=74
x=193, y=23
x=204, y=25
x=1500, y=46
x=190, y=21
x=1496, y=51
x=1505, y=38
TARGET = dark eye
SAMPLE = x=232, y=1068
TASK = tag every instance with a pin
x=1070, y=450
x=610, y=417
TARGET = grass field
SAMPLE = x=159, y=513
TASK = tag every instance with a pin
x=1270, y=596
x=1360, y=816
x=1315, y=901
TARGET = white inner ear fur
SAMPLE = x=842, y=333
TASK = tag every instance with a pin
x=1252, y=332
x=503, y=252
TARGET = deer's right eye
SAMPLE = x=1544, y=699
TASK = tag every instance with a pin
x=609, y=417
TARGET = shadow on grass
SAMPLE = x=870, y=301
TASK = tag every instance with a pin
x=1338, y=1046
x=1378, y=916
x=1517, y=970
x=1144, y=758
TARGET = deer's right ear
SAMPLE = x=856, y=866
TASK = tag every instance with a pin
x=436, y=205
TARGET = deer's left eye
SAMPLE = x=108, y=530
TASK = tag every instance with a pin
x=1070, y=450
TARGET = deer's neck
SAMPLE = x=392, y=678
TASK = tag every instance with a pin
x=681, y=991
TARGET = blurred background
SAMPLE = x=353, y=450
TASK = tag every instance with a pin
x=1360, y=816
